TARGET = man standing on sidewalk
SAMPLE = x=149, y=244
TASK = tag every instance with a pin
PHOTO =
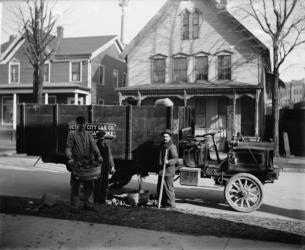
x=108, y=167
x=168, y=155
x=80, y=146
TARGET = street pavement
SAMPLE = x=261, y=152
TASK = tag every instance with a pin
x=285, y=199
x=29, y=232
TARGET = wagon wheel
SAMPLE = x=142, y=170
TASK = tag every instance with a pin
x=244, y=192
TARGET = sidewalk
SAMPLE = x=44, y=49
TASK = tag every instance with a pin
x=29, y=232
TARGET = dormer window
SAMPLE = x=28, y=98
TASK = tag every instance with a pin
x=14, y=72
x=158, y=68
x=186, y=25
x=195, y=24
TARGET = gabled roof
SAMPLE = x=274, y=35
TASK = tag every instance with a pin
x=156, y=19
x=80, y=45
x=66, y=47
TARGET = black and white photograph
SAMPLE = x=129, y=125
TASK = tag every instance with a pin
x=152, y=124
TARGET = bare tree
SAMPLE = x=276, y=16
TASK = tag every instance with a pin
x=38, y=23
x=283, y=21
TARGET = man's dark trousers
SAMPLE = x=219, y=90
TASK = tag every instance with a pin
x=168, y=197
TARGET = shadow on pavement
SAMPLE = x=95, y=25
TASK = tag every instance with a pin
x=168, y=220
x=291, y=213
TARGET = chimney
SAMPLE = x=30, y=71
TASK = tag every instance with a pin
x=60, y=32
x=12, y=37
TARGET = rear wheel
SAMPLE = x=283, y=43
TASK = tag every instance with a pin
x=244, y=192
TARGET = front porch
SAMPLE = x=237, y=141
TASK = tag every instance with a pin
x=232, y=110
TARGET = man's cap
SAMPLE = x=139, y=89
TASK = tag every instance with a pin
x=81, y=120
x=100, y=133
x=167, y=131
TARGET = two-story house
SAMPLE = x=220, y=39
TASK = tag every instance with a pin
x=197, y=54
x=82, y=70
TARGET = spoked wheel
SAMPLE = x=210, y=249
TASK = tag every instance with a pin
x=244, y=193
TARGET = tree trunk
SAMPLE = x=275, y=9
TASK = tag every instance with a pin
x=38, y=83
x=275, y=98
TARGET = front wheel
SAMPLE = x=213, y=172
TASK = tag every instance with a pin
x=244, y=192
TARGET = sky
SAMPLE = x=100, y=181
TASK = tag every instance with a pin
x=103, y=17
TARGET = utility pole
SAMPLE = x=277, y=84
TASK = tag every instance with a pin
x=123, y=4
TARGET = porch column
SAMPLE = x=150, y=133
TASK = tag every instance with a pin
x=258, y=91
x=88, y=99
x=234, y=113
x=185, y=97
x=14, y=111
x=76, y=98
x=120, y=98
x=139, y=99
x=46, y=98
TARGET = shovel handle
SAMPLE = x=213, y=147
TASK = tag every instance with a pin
x=162, y=180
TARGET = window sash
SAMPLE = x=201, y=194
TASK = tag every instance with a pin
x=201, y=68
x=76, y=71
x=195, y=25
x=123, y=79
x=101, y=74
x=14, y=73
x=180, y=70
x=159, y=70
x=46, y=72
x=185, y=26
x=115, y=78
x=7, y=109
x=224, y=67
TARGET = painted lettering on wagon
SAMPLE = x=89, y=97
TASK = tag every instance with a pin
x=94, y=128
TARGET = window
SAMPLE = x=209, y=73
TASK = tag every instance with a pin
x=180, y=69
x=7, y=109
x=46, y=73
x=123, y=79
x=224, y=67
x=115, y=80
x=76, y=71
x=186, y=25
x=195, y=25
x=101, y=74
x=100, y=102
x=14, y=72
x=201, y=68
x=158, y=65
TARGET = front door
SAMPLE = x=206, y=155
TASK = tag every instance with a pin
x=247, y=116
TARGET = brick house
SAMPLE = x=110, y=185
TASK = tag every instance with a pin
x=83, y=70
x=197, y=54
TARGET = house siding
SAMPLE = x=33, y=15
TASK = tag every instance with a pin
x=106, y=92
x=216, y=34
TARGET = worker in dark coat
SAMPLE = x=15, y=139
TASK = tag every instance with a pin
x=108, y=167
x=168, y=155
x=80, y=152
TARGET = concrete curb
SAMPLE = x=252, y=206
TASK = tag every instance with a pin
x=8, y=153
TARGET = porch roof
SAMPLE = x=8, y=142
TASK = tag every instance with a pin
x=203, y=85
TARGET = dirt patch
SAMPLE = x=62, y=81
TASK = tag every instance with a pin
x=177, y=221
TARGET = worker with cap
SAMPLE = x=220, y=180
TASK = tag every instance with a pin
x=108, y=167
x=168, y=157
x=80, y=150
